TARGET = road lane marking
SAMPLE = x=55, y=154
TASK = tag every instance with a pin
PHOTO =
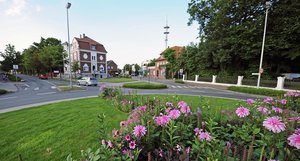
x=25, y=89
x=6, y=98
x=179, y=86
x=26, y=85
x=173, y=86
x=53, y=87
x=37, y=88
x=46, y=93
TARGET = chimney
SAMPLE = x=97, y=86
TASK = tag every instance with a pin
x=80, y=36
x=83, y=35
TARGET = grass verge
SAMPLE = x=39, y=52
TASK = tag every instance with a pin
x=68, y=88
x=179, y=81
x=51, y=132
x=13, y=78
x=2, y=91
x=144, y=85
x=258, y=91
x=116, y=80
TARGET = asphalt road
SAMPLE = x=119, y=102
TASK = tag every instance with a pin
x=34, y=91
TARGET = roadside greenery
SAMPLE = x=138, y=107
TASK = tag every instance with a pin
x=13, y=78
x=68, y=88
x=2, y=91
x=117, y=80
x=179, y=81
x=257, y=91
x=261, y=129
x=144, y=85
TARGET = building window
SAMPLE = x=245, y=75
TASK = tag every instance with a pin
x=93, y=47
x=112, y=67
x=93, y=57
x=108, y=67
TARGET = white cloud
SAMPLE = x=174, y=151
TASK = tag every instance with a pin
x=37, y=8
x=16, y=8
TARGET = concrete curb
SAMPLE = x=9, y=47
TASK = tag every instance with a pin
x=39, y=104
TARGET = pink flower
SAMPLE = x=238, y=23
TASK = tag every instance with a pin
x=143, y=108
x=294, y=118
x=109, y=143
x=297, y=131
x=274, y=124
x=242, y=112
x=294, y=140
x=126, y=151
x=168, y=109
x=290, y=93
x=283, y=101
x=161, y=152
x=268, y=99
x=123, y=123
x=169, y=104
x=185, y=109
x=115, y=132
x=263, y=110
x=204, y=136
x=103, y=142
x=182, y=104
x=250, y=101
x=139, y=131
x=174, y=114
x=188, y=150
x=197, y=131
x=277, y=109
x=178, y=147
x=127, y=137
x=162, y=120
x=132, y=145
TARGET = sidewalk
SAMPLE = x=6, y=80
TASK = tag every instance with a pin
x=8, y=86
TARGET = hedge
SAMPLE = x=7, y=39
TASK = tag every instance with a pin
x=258, y=91
x=144, y=85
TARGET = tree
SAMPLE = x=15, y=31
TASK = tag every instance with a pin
x=11, y=57
x=172, y=67
x=127, y=68
x=137, y=68
x=75, y=67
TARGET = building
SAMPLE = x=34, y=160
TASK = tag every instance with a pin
x=91, y=56
x=159, y=71
x=112, y=68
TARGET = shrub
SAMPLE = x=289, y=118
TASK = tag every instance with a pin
x=144, y=85
x=13, y=78
x=179, y=81
x=263, y=129
x=258, y=91
x=2, y=91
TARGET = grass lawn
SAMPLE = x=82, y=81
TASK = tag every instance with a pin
x=258, y=91
x=51, y=132
x=116, y=80
x=144, y=85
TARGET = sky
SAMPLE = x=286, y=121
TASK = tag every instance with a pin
x=131, y=30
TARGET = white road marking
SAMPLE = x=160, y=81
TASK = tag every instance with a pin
x=191, y=86
x=37, y=88
x=185, y=87
x=25, y=89
x=53, y=87
x=8, y=98
x=173, y=86
x=179, y=86
x=26, y=85
x=46, y=93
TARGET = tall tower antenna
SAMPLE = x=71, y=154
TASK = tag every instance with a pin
x=166, y=32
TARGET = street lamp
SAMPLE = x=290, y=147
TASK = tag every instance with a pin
x=260, y=70
x=68, y=6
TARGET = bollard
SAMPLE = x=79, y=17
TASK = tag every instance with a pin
x=214, y=79
x=240, y=79
x=183, y=77
x=196, y=79
x=280, y=83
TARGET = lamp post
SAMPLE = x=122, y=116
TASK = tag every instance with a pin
x=260, y=70
x=68, y=6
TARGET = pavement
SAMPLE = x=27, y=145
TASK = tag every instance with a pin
x=8, y=86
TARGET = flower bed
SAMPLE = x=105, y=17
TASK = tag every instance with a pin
x=262, y=130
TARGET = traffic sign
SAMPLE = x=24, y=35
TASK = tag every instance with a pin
x=15, y=67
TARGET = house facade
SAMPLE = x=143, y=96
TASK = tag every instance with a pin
x=112, y=68
x=90, y=55
x=159, y=70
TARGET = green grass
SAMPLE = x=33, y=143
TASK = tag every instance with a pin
x=116, y=80
x=144, y=85
x=2, y=91
x=258, y=91
x=179, y=81
x=68, y=88
x=51, y=132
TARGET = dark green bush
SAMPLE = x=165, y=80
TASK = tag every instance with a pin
x=258, y=91
x=13, y=78
x=2, y=91
x=179, y=81
x=144, y=85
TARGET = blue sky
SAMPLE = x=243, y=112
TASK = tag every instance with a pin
x=131, y=30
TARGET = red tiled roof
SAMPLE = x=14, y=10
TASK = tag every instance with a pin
x=178, y=50
x=86, y=42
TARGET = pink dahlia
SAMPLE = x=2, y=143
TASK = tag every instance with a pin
x=297, y=131
x=290, y=93
x=168, y=109
x=263, y=110
x=127, y=138
x=277, y=109
x=143, y=108
x=197, y=131
x=182, y=104
x=174, y=114
x=274, y=124
x=242, y=112
x=204, y=136
x=294, y=140
x=188, y=150
x=178, y=147
x=185, y=109
x=283, y=101
x=268, y=99
x=139, y=131
x=109, y=144
x=132, y=145
x=103, y=142
x=250, y=101
x=162, y=120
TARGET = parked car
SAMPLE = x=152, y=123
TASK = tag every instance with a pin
x=43, y=76
x=88, y=81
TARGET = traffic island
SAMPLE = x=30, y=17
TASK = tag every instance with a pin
x=144, y=85
x=69, y=88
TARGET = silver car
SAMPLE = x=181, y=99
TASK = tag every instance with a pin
x=88, y=81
